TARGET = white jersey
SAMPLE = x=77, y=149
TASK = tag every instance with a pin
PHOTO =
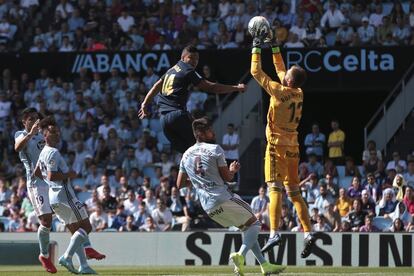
x=201, y=163
x=50, y=160
x=29, y=155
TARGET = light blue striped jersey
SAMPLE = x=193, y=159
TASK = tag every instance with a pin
x=29, y=155
x=201, y=163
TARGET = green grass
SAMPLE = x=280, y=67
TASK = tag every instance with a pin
x=212, y=270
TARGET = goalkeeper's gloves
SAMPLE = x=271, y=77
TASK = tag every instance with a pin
x=257, y=42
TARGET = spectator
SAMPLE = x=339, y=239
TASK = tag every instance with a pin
x=109, y=202
x=130, y=162
x=357, y=216
x=312, y=34
x=344, y=34
x=343, y=204
x=259, y=205
x=321, y=225
x=331, y=186
x=399, y=184
x=143, y=155
x=372, y=187
x=281, y=32
x=287, y=222
x=230, y=144
x=149, y=226
x=401, y=33
x=366, y=32
x=129, y=226
x=141, y=215
x=384, y=32
x=93, y=202
x=396, y=11
x=356, y=189
x=332, y=18
x=313, y=166
x=336, y=142
x=285, y=16
x=397, y=226
x=330, y=168
x=375, y=19
x=368, y=226
x=374, y=165
x=65, y=9
x=162, y=45
x=75, y=21
x=309, y=188
x=150, y=200
x=396, y=163
x=387, y=204
x=98, y=219
x=371, y=146
x=357, y=14
x=131, y=203
x=332, y=217
x=299, y=29
x=350, y=168
x=5, y=193
x=125, y=21
x=179, y=210
x=409, y=175
x=162, y=216
x=293, y=42
x=323, y=199
x=367, y=203
x=315, y=141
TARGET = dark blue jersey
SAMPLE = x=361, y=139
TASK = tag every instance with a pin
x=174, y=92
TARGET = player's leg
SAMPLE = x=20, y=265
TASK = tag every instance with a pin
x=275, y=170
x=39, y=197
x=177, y=128
x=90, y=252
x=294, y=193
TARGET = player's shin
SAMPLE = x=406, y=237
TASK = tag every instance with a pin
x=275, y=208
x=76, y=241
x=250, y=237
x=80, y=251
x=43, y=234
x=301, y=209
x=257, y=253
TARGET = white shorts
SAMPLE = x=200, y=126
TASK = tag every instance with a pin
x=39, y=197
x=233, y=212
x=68, y=208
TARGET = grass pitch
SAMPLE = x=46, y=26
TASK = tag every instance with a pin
x=212, y=270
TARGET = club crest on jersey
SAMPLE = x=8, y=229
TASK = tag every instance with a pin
x=52, y=162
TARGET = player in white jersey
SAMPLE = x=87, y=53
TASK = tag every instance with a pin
x=205, y=165
x=29, y=143
x=53, y=169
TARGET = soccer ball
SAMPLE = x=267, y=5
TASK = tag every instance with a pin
x=258, y=24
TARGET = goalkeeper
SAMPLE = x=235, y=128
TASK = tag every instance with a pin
x=282, y=150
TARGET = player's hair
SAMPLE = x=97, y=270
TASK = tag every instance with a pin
x=230, y=125
x=46, y=122
x=189, y=49
x=299, y=76
x=200, y=126
x=27, y=111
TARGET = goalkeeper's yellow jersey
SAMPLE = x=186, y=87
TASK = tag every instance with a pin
x=285, y=109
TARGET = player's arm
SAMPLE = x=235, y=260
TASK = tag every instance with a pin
x=270, y=86
x=21, y=140
x=142, y=113
x=53, y=172
x=182, y=180
x=218, y=88
x=227, y=173
x=278, y=63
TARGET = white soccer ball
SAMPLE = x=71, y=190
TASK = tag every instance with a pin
x=258, y=24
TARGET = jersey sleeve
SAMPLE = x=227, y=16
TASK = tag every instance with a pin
x=221, y=159
x=52, y=162
x=194, y=77
x=279, y=65
x=272, y=88
x=182, y=166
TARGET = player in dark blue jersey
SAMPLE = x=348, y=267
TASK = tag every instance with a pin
x=173, y=85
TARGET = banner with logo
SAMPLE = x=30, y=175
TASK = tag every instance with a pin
x=336, y=69
x=214, y=248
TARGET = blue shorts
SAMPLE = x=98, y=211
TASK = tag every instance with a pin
x=178, y=130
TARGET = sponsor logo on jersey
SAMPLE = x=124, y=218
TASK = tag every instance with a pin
x=216, y=212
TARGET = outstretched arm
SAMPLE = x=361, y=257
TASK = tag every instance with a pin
x=278, y=63
x=260, y=76
x=218, y=88
x=142, y=113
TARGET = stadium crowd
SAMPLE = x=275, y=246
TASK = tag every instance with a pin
x=98, y=25
x=127, y=171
